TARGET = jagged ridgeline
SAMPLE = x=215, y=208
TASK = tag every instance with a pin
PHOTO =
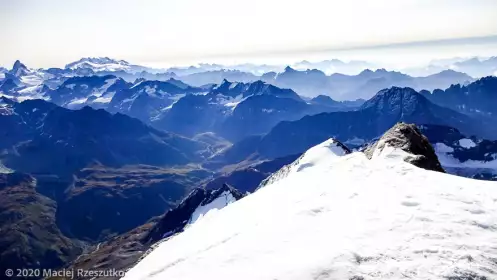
x=108, y=164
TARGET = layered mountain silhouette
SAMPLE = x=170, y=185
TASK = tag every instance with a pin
x=44, y=138
x=236, y=110
x=374, y=117
x=83, y=147
x=477, y=98
x=361, y=86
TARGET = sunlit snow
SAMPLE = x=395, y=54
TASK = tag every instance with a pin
x=339, y=218
x=222, y=201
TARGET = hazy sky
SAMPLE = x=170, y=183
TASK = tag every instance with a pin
x=46, y=33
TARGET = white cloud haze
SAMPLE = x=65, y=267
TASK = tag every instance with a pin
x=52, y=33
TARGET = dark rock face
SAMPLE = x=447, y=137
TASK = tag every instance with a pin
x=29, y=236
x=191, y=115
x=176, y=219
x=237, y=110
x=408, y=138
x=477, y=98
x=374, y=117
x=19, y=69
x=406, y=105
x=259, y=113
x=8, y=86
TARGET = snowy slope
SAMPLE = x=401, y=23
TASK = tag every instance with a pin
x=195, y=206
x=328, y=151
x=343, y=217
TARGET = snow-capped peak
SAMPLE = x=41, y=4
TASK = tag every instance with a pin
x=344, y=218
x=98, y=64
x=19, y=69
x=18, y=65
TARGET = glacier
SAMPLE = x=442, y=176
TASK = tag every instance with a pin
x=342, y=217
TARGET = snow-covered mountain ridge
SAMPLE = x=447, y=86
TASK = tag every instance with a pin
x=346, y=218
x=103, y=64
x=329, y=150
x=194, y=207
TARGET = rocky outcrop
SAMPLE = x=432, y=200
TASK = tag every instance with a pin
x=175, y=220
x=408, y=138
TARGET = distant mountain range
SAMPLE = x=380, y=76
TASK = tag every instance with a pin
x=231, y=109
x=83, y=147
x=236, y=110
x=474, y=66
x=311, y=81
x=476, y=99
x=79, y=174
x=361, y=86
x=355, y=128
x=41, y=137
x=463, y=155
x=100, y=64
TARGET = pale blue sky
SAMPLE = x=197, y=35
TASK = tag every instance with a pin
x=45, y=33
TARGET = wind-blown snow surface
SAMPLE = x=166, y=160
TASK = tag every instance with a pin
x=327, y=151
x=345, y=218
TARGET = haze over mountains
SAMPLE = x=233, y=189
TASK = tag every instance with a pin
x=340, y=80
x=102, y=159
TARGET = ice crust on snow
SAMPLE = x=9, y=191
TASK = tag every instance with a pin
x=343, y=217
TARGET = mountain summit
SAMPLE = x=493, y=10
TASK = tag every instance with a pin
x=409, y=139
x=341, y=217
x=98, y=64
x=19, y=69
x=377, y=115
